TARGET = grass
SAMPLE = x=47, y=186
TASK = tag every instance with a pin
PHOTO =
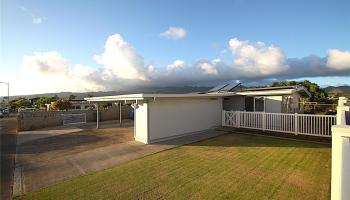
x=232, y=166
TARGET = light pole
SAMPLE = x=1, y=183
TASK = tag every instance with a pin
x=8, y=96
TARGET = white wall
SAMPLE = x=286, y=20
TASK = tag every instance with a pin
x=340, y=162
x=273, y=104
x=346, y=167
x=171, y=117
x=141, y=122
x=341, y=153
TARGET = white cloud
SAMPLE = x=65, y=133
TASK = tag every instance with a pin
x=339, y=60
x=38, y=20
x=80, y=70
x=177, y=64
x=151, y=69
x=122, y=67
x=174, y=33
x=52, y=70
x=122, y=59
x=208, y=68
x=47, y=63
x=257, y=57
x=35, y=19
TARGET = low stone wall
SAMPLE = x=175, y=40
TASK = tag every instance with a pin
x=41, y=119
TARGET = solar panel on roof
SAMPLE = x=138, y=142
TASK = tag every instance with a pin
x=217, y=88
x=229, y=87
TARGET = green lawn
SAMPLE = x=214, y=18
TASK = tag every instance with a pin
x=232, y=166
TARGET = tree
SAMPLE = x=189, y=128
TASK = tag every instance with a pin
x=20, y=102
x=3, y=104
x=90, y=95
x=40, y=103
x=61, y=104
x=72, y=97
x=317, y=94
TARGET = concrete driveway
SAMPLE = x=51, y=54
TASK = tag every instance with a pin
x=75, y=151
x=8, y=133
x=55, y=154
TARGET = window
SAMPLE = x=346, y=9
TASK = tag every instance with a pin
x=255, y=104
x=249, y=103
x=259, y=104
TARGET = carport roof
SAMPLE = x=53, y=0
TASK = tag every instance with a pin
x=143, y=96
x=247, y=92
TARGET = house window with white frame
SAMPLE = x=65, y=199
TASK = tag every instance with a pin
x=255, y=103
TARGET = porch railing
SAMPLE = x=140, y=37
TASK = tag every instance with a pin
x=306, y=124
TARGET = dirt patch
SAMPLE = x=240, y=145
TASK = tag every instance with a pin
x=298, y=180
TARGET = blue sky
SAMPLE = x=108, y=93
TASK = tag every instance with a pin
x=78, y=30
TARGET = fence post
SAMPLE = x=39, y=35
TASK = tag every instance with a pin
x=223, y=118
x=296, y=123
x=342, y=108
x=264, y=121
x=238, y=118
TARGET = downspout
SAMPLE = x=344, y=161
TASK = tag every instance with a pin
x=148, y=139
x=97, y=116
x=134, y=122
x=120, y=113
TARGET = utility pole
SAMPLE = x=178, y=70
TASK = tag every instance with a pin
x=8, y=96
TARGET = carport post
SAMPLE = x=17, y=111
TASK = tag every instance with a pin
x=120, y=113
x=97, y=116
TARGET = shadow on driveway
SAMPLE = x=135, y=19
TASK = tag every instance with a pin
x=8, y=133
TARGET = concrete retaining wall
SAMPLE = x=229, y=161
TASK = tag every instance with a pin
x=41, y=119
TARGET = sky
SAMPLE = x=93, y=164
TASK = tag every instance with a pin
x=61, y=45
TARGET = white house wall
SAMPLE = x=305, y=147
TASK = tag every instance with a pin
x=172, y=117
x=273, y=104
x=141, y=123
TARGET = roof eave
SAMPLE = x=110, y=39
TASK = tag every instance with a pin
x=303, y=90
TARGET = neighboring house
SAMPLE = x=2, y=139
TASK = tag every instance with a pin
x=286, y=99
x=76, y=104
x=160, y=117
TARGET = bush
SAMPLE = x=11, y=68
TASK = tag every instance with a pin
x=61, y=104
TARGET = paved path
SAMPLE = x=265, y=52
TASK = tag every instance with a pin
x=8, y=133
x=34, y=175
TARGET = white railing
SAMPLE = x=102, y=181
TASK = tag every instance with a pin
x=306, y=124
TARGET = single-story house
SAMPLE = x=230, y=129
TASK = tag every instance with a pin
x=159, y=117
x=76, y=104
x=285, y=99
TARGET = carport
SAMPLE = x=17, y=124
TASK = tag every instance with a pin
x=160, y=117
x=118, y=100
